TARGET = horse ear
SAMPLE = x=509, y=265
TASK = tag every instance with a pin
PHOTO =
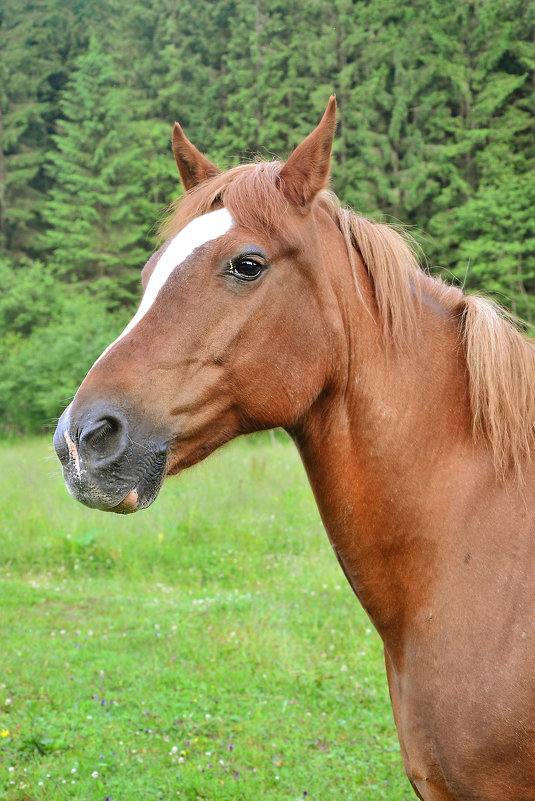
x=307, y=170
x=192, y=165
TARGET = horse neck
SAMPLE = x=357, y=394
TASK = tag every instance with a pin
x=379, y=445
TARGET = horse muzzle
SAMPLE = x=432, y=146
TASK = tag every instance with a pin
x=109, y=460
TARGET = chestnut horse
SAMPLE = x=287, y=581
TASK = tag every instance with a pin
x=411, y=404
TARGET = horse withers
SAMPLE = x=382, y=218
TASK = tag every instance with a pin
x=411, y=404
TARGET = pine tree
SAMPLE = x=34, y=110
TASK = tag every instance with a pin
x=35, y=45
x=268, y=83
x=485, y=221
x=98, y=211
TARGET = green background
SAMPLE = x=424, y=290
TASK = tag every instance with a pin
x=436, y=131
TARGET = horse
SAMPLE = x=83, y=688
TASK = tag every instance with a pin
x=267, y=304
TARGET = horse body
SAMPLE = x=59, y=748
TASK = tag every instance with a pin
x=441, y=556
x=453, y=604
x=378, y=376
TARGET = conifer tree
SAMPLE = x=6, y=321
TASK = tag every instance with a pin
x=35, y=43
x=483, y=221
x=98, y=212
x=268, y=82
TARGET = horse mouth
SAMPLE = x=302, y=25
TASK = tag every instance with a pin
x=146, y=490
x=117, y=487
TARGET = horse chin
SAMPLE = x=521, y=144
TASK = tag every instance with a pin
x=134, y=503
x=141, y=497
x=128, y=505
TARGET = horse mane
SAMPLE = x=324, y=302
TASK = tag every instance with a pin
x=500, y=361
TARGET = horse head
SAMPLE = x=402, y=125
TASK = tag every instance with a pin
x=232, y=309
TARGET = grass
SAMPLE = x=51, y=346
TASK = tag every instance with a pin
x=207, y=648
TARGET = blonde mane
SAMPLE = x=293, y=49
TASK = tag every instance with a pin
x=500, y=360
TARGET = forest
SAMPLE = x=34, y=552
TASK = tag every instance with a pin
x=436, y=132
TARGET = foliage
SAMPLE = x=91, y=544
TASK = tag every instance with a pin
x=436, y=130
x=46, y=349
x=105, y=237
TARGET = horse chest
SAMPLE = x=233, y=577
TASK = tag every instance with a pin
x=466, y=735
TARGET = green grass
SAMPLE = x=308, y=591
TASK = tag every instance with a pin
x=207, y=648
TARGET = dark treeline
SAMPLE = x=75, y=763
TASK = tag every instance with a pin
x=436, y=130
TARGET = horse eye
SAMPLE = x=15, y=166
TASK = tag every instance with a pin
x=247, y=268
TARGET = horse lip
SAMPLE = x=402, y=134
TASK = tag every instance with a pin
x=127, y=505
x=147, y=489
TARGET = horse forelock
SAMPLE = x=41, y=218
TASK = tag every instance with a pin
x=250, y=192
x=500, y=360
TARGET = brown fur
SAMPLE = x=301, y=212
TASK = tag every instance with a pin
x=501, y=362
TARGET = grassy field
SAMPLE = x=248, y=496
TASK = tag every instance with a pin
x=207, y=648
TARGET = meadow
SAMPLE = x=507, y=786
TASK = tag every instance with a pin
x=206, y=648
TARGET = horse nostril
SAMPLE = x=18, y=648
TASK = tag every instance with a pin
x=102, y=428
x=103, y=438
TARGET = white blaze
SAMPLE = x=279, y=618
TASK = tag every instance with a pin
x=198, y=232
